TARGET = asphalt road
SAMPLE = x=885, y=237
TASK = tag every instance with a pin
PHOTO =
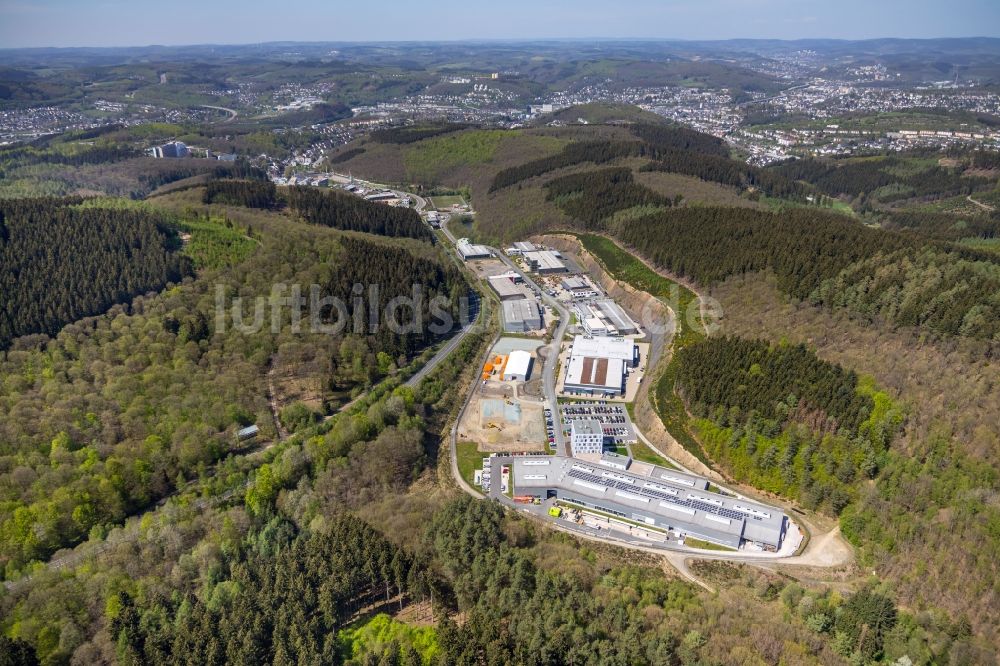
x=448, y=348
x=552, y=355
x=131, y=531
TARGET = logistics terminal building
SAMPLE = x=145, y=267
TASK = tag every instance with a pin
x=665, y=499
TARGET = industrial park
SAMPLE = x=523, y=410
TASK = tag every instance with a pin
x=548, y=416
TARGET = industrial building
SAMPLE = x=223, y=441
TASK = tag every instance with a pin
x=606, y=347
x=578, y=287
x=518, y=366
x=586, y=436
x=575, y=283
x=545, y=262
x=172, y=149
x=615, y=460
x=519, y=248
x=598, y=365
x=595, y=376
x=467, y=251
x=665, y=499
x=616, y=316
x=521, y=315
x=505, y=288
x=605, y=318
x=594, y=325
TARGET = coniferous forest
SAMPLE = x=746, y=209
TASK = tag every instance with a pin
x=249, y=193
x=345, y=211
x=60, y=262
x=903, y=279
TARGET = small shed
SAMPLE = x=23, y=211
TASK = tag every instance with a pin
x=243, y=434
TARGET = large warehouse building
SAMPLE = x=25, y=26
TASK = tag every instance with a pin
x=545, y=262
x=521, y=315
x=664, y=499
x=598, y=365
x=518, y=366
x=505, y=288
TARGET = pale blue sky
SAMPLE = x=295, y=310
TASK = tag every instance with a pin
x=143, y=22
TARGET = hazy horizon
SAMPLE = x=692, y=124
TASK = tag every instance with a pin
x=139, y=23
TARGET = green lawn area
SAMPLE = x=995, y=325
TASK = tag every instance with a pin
x=470, y=458
x=374, y=635
x=706, y=545
x=843, y=207
x=444, y=201
x=643, y=453
x=213, y=244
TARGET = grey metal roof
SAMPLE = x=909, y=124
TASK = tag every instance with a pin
x=664, y=493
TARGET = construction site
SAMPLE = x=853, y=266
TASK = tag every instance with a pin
x=505, y=413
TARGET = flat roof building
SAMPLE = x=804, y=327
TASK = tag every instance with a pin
x=595, y=376
x=505, y=288
x=544, y=262
x=466, y=250
x=617, y=317
x=575, y=283
x=663, y=500
x=586, y=436
x=595, y=326
x=518, y=367
x=615, y=460
x=521, y=315
x=606, y=347
x=525, y=246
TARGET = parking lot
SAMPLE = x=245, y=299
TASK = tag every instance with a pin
x=613, y=417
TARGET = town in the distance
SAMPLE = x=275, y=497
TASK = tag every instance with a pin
x=420, y=340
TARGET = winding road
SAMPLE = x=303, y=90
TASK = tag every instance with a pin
x=825, y=550
x=232, y=112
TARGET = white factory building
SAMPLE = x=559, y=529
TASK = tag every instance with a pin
x=467, y=250
x=518, y=366
x=520, y=247
x=598, y=365
x=605, y=318
x=664, y=499
x=545, y=262
x=506, y=288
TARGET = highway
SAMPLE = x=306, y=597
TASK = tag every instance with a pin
x=232, y=112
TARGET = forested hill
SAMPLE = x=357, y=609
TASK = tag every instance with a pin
x=133, y=403
x=60, y=261
x=832, y=260
x=341, y=210
x=672, y=149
